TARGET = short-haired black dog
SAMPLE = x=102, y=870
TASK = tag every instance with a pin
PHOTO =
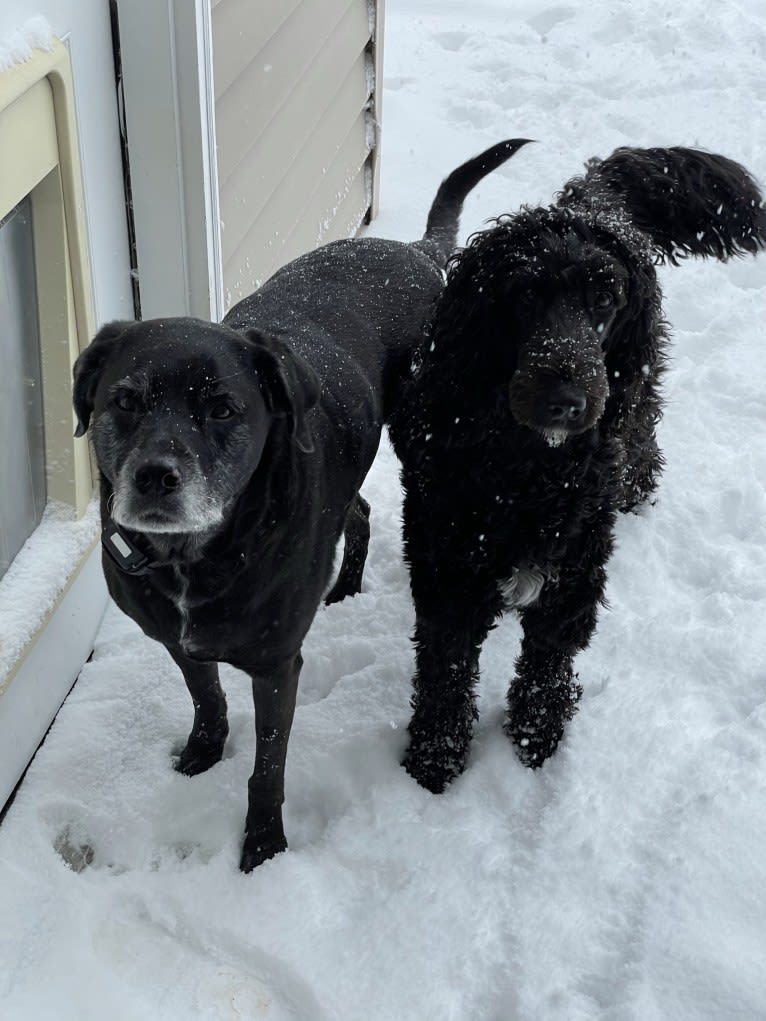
x=231, y=458
x=530, y=422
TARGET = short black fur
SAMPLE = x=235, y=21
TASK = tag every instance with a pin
x=529, y=423
x=233, y=454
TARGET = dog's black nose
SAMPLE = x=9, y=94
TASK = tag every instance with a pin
x=567, y=404
x=160, y=477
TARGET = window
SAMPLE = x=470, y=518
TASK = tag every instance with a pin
x=46, y=317
x=22, y=452
x=45, y=298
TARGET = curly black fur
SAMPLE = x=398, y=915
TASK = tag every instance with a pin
x=529, y=423
x=689, y=202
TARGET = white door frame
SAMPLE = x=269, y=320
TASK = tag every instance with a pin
x=167, y=68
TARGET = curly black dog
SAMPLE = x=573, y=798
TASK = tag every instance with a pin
x=529, y=422
x=230, y=459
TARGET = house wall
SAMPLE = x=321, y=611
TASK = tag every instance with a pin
x=295, y=129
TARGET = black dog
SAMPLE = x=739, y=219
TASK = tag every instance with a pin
x=230, y=461
x=530, y=421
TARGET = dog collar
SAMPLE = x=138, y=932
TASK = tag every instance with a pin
x=123, y=551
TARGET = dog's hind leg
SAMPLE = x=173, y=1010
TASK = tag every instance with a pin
x=357, y=539
x=210, y=728
x=274, y=696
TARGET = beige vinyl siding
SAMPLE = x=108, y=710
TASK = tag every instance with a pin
x=241, y=29
x=293, y=130
x=306, y=137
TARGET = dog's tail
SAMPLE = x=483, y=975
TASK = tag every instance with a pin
x=688, y=202
x=443, y=218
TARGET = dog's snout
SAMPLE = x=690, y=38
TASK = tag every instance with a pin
x=567, y=404
x=158, y=477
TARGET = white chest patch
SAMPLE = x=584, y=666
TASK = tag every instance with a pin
x=523, y=587
x=182, y=605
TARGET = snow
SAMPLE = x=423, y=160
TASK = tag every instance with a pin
x=39, y=574
x=624, y=880
x=18, y=47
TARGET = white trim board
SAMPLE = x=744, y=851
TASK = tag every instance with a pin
x=169, y=111
x=45, y=677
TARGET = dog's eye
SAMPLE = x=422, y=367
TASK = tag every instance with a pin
x=221, y=410
x=126, y=401
x=527, y=297
x=603, y=299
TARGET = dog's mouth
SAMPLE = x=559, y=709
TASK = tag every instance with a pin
x=555, y=412
x=189, y=509
x=152, y=520
x=558, y=402
x=556, y=437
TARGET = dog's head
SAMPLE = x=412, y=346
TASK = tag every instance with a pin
x=180, y=412
x=558, y=308
x=565, y=295
x=552, y=294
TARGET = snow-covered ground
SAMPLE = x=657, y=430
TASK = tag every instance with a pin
x=626, y=880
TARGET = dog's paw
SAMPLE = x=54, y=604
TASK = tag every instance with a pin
x=435, y=762
x=532, y=749
x=536, y=719
x=202, y=750
x=439, y=743
x=343, y=588
x=258, y=848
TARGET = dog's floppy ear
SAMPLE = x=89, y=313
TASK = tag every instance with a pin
x=630, y=344
x=289, y=385
x=87, y=371
x=688, y=202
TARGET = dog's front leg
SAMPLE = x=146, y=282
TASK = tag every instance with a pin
x=210, y=728
x=447, y=647
x=274, y=698
x=545, y=693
